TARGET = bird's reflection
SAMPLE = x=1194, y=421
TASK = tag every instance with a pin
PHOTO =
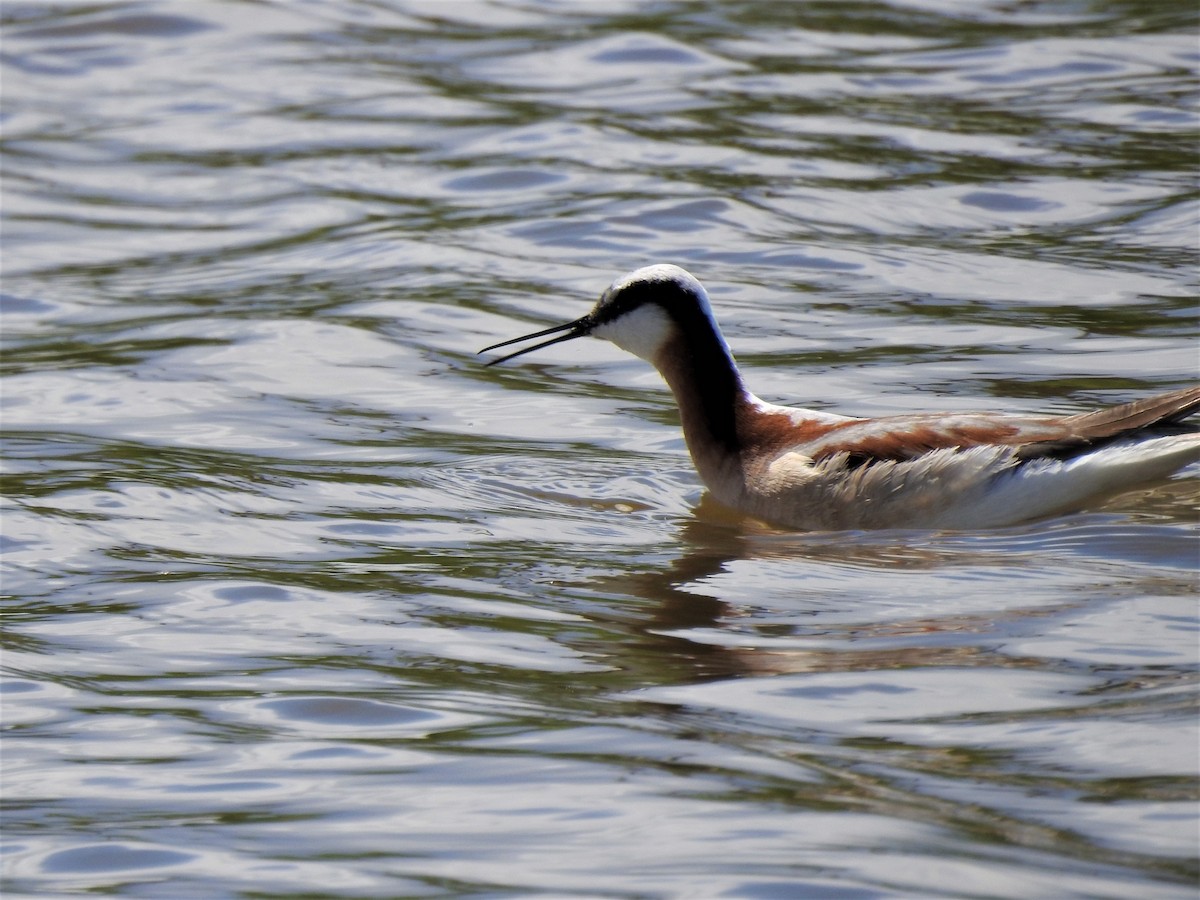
x=711, y=638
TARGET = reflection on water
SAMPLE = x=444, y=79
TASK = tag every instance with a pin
x=300, y=599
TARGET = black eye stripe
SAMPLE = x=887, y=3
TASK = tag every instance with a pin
x=676, y=301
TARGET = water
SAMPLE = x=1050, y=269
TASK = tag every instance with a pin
x=302, y=601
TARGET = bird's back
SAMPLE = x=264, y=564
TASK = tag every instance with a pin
x=970, y=470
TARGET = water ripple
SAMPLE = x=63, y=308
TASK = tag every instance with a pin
x=298, y=594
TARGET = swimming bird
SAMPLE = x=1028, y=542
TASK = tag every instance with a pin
x=813, y=470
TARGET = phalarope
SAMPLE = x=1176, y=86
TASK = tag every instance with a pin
x=819, y=471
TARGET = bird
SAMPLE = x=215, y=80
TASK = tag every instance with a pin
x=812, y=470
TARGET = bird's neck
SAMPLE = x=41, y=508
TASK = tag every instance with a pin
x=711, y=397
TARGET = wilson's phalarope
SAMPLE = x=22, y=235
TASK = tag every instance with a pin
x=815, y=470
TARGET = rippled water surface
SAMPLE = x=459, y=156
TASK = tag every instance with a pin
x=303, y=601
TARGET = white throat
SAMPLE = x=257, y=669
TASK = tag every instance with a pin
x=642, y=331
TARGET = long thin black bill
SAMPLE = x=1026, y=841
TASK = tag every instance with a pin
x=577, y=329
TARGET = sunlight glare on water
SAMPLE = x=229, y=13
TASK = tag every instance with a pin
x=300, y=599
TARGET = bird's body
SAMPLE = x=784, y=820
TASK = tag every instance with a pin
x=818, y=471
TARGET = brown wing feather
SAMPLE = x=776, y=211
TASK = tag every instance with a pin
x=1162, y=414
x=901, y=438
x=1163, y=409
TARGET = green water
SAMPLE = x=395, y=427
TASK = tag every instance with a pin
x=301, y=600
